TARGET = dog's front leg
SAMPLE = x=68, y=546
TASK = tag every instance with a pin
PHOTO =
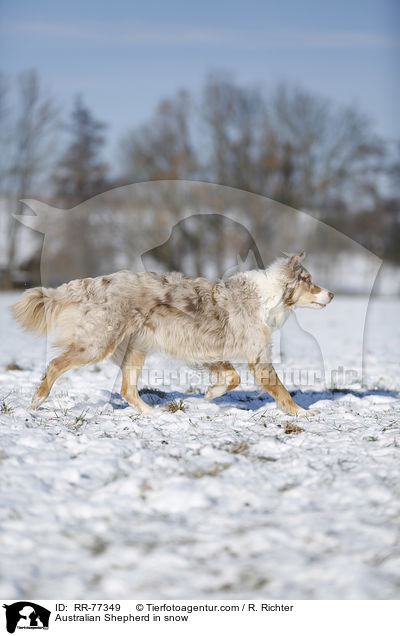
x=266, y=376
x=224, y=377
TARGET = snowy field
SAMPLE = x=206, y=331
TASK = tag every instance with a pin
x=215, y=500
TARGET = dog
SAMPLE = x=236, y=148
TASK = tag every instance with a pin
x=125, y=314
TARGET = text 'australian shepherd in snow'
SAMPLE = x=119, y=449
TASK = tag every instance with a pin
x=124, y=315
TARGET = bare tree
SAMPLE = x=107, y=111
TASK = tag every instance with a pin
x=232, y=118
x=162, y=148
x=289, y=145
x=316, y=155
x=80, y=173
x=4, y=129
x=33, y=137
x=379, y=225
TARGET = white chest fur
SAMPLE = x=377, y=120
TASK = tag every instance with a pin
x=275, y=317
x=273, y=311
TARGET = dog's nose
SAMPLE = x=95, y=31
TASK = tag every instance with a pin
x=330, y=296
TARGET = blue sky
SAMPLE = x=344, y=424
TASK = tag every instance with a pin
x=124, y=56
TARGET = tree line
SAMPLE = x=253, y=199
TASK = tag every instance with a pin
x=287, y=144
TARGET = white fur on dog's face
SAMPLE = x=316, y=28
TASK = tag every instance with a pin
x=314, y=298
x=300, y=290
x=285, y=285
x=307, y=294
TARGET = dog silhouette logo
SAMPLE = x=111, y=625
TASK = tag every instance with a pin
x=26, y=615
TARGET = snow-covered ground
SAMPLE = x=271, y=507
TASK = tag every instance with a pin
x=219, y=500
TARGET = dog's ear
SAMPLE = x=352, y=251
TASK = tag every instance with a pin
x=301, y=255
x=295, y=260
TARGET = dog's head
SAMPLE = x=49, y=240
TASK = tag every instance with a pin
x=300, y=290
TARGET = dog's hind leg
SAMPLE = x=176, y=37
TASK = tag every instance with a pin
x=267, y=377
x=224, y=378
x=131, y=368
x=74, y=356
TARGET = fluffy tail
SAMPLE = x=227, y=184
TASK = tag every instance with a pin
x=37, y=309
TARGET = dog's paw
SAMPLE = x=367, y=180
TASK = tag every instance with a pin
x=141, y=406
x=214, y=392
x=36, y=402
x=145, y=408
x=306, y=413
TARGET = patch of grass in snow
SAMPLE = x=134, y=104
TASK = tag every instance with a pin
x=81, y=418
x=389, y=426
x=246, y=580
x=260, y=418
x=144, y=488
x=13, y=366
x=293, y=429
x=98, y=546
x=175, y=405
x=5, y=409
x=64, y=409
x=78, y=421
x=211, y=471
x=237, y=448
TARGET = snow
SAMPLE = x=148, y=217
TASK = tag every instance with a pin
x=218, y=500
